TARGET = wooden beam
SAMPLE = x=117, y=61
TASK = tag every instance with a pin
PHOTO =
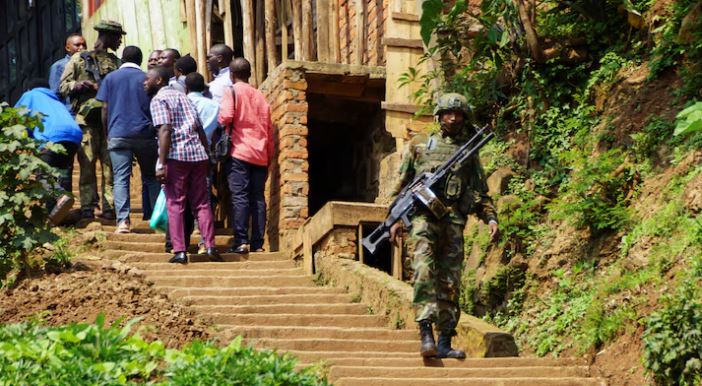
x=334, y=33
x=402, y=42
x=297, y=28
x=405, y=16
x=306, y=29
x=190, y=12
x=201, y=31
x=260, y=43
x=323, y=30
x=359, y=44
x=270, y=36
x=401, y=107
x=247, y=13
x=284, y=30
x=208, y=27
x=226, y=12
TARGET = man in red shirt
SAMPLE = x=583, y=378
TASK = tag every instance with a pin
x=245, y=111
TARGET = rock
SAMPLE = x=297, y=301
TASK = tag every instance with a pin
x=93, y=227
x=499, y=180
x=690, y=24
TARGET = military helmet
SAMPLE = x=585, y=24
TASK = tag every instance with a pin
x=452, y=101
x=109, y=26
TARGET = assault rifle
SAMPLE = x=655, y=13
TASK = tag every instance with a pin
x=420, y=191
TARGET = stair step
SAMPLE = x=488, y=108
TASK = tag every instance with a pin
x=239, y=265
x=162, y=257
x=271, y=299
x=288, y=320
x=337, y=372
x=143, y=228
x=180, y=292
x=161, y=238
x=520, y=381
x=326, y=344
x=298, y=309
x=417, y=361
x=320, y=332
x=190, y=270
x=157, y=247
x=219, y=281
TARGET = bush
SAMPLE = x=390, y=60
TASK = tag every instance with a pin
x=23, y=214
x=93, y=354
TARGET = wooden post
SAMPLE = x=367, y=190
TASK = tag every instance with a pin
x=297, y=28
x=270, y=36
x=306, y=29
x=190, y=12
x=360, y=32
x=200, y=31
x=247, y=17
x=334, y=33
x=323, y=30
x=260, y=43
x=226, y=12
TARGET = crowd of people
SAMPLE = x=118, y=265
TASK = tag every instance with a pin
x=179, y=129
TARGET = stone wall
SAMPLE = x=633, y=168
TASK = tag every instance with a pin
x=288, y=185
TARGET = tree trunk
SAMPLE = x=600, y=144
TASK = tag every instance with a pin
x=526, y=9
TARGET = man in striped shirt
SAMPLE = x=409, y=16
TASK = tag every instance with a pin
x=183, y=162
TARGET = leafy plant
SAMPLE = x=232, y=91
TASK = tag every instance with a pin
x=689, y=120
x=96, y=354
x=23, y=213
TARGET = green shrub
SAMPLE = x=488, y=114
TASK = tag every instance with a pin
x=596, y=194
x=689, y=120
x=656, y=132
x=673, y=340
x=95, y=354
x=23, y=213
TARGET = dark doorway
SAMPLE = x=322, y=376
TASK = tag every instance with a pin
x=32, y=37
x=346, y=141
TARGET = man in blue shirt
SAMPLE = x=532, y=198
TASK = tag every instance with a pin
x=59, y=128
x=74, y=43
x=127, y=117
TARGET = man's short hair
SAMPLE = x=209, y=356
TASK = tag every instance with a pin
x=224, y=50
x=195, y=82
x=162, y=73
x=132, y=54
x=176, y=53
x=71, y=36
x=186, y=65
x=241, y=68
x=35, y=83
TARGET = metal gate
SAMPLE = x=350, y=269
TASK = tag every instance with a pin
x=32, y=37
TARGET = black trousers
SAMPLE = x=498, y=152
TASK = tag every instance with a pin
x=62, y=162
x=247, y=183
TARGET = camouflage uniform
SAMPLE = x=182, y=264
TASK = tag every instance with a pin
x=437, y=244
x=94, y=145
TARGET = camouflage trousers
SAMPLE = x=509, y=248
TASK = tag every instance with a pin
x=437, y=247
x=94, y=149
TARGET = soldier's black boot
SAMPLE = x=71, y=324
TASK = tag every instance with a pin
x=428, y=347
x=445, y=350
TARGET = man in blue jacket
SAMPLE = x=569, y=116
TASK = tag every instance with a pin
x=127, y=117
x=59, y=128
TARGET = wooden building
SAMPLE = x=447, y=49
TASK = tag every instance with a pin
x=330, y=70
x=32, y=36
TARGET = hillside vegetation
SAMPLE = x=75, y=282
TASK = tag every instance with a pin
x=594, y=103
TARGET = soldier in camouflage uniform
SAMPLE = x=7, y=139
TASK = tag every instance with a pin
x=80, y=81
x=437, y=243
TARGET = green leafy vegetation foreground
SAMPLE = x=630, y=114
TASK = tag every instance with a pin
x=95, y=354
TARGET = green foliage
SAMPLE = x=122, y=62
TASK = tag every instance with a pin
x=657, y=131
x=95, y=354
x=467, y=296
x=23, y=213
x=597, y=193
x=673, y=338
x=689, y=120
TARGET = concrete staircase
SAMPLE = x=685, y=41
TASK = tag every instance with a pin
x=267, y=299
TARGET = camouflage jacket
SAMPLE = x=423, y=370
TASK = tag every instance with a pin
x=464, y=192
x=76, y=71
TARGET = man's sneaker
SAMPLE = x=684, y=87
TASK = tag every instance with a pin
x=108, y=214
x=201, y=250
x=123, y=227
x=63, y=206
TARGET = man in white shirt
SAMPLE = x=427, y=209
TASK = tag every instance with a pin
x=207, y=109
x=218, y=59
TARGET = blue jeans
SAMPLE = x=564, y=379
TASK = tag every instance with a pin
x=247, y=183
x=122, y=152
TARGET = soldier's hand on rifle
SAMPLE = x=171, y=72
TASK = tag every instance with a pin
x=395, y=233
x=494, y=230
